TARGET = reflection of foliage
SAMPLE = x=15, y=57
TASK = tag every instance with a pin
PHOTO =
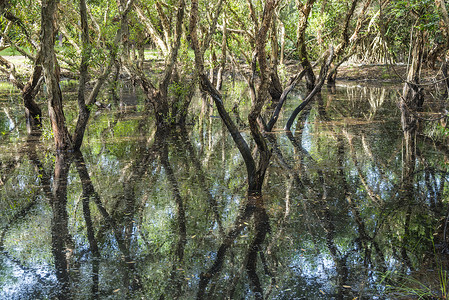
x=337, y=217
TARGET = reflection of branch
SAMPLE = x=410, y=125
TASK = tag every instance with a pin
x=299, y=183
x=37, y=275
x=364, y=237
x=262, y=227
x=61, y=244
x=20, y=215
x=376, y=199
x=239, y=224
x=201, y=178
x=90, y=190
x=163, y=154
x=79, y=160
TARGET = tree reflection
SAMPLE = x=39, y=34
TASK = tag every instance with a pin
x=253, y=206
x=162, y=150
x=62, y=244
x=160, y=214
x=88, y=193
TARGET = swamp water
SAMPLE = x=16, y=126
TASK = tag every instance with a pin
x=145, y=214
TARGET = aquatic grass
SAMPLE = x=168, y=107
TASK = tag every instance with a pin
x=415, y=287
x=443, y=283
x=422, y=288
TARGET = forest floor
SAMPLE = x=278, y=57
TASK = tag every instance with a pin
x=374, y=74
x=383, y=73
x=371, y=74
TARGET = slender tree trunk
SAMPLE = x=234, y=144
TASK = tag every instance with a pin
x=83, y=103
x=124, y=29
x=29, y=90
x=282, y=37
x=33, y=112
x=275, y=87
x=411, y=100
x=223, y=55
x=51, y=74
x=304, y=12
x=82, y=108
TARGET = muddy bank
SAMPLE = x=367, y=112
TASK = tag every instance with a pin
x=370, y=74
x=383, y=73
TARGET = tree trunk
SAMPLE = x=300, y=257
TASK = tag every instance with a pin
x=275, y=87
x=282, y=54
x=323, y=74
x=124, y=28
x=85, y=52
x=51, y=75
x=33, y=112
x=304, y=11
x=411, y=100
x=223, y=56
x=345, y=39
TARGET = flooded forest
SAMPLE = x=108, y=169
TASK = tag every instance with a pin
x=229, y=149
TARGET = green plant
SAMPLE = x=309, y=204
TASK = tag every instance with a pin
x=430, y=285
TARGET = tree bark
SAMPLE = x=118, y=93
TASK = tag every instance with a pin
x=33, y=112
x=159, y=96
x=304, y=12
x=51, y=74
x=223, y=55
x=207, y=86
x=344, y=40
x=316, y=89
x=262, y=95
x=85, y=52
x=83, y=105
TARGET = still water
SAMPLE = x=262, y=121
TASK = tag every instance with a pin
x=146, y=214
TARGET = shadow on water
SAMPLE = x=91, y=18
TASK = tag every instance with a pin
x=350, y=209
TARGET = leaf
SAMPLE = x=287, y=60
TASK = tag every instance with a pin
x=115, y=291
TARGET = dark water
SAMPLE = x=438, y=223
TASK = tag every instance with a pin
x=147, y=214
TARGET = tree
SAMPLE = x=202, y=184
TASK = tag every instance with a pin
x=51, y=70
x=170, y=97
x=255, y=170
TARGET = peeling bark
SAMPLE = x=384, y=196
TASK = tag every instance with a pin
x=51, y=74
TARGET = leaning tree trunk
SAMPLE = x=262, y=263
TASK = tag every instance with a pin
x=33, y=112
x=332, y=76
x=256, y=171
x=51, y=75
x=29, y=90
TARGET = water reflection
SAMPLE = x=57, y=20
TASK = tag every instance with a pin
x=151, y=214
